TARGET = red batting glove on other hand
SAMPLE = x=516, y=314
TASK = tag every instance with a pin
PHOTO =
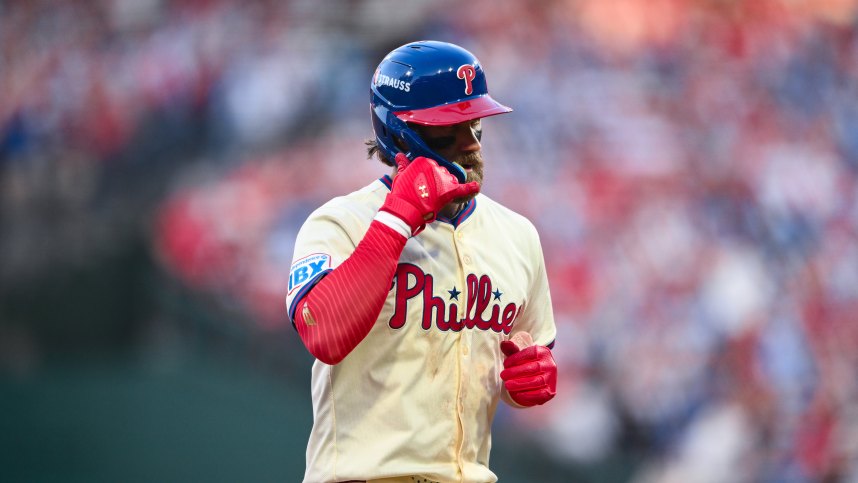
x=420, y=189
x=530, y=374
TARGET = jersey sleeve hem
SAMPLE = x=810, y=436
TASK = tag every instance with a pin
x=303, y=293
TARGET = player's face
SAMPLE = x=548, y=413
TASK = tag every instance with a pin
x=459, y=143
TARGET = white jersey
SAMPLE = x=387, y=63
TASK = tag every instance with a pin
x=418, y=395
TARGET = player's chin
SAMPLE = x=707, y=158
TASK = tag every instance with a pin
x=473, y=175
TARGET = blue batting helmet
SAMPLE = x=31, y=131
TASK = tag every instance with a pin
x=429, y=83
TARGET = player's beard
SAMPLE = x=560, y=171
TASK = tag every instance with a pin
x=474, y=161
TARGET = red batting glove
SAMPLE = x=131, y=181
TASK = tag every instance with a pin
x=420, y=189
x=530, y=374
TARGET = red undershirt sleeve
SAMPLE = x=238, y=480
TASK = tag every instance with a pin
x=339, y=311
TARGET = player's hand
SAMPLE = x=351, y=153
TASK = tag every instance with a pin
x=530, y=373
x=420, y=189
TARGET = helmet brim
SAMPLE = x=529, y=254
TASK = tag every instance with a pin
x=455, y=112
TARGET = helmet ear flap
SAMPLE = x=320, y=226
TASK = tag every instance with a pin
x=378, y=112
x=388, y=133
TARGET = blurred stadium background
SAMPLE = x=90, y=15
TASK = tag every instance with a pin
x=692, y=166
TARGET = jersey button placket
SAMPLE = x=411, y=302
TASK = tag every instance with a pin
x=464, y=260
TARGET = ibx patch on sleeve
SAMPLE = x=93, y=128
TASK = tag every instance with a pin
x=305, y=269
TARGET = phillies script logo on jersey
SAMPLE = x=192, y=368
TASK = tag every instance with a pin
x=411, y=281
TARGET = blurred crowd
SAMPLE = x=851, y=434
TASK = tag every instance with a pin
x=691, y=165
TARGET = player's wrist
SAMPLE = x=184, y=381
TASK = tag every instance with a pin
x=394, y=222
x=406, y=212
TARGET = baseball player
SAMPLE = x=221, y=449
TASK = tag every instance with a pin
x=423, y=301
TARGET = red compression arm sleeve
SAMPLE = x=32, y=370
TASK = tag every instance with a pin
x=341, y=309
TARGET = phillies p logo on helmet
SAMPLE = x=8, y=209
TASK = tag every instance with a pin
x=467, y=72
